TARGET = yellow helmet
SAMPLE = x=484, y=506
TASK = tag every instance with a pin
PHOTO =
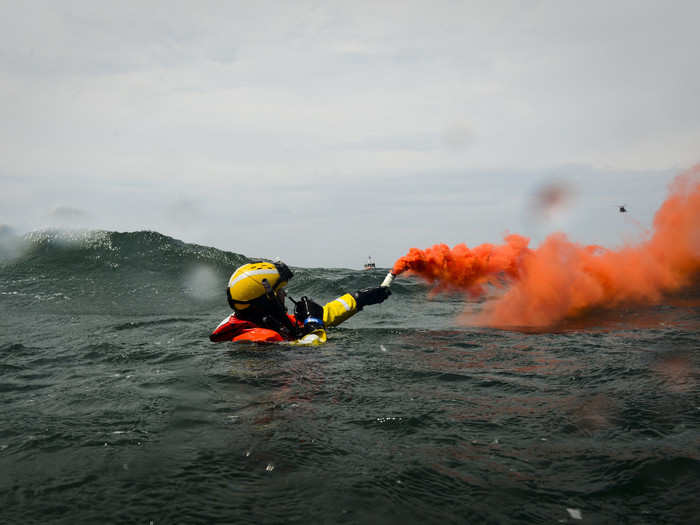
x=252, y=282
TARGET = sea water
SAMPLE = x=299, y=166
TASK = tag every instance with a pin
x=116, y=408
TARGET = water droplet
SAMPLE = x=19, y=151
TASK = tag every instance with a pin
x=574, y=513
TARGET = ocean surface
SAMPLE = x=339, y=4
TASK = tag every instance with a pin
x=116, y=408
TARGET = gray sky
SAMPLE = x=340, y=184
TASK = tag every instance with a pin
x=324, y=132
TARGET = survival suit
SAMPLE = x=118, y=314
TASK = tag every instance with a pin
x=235, y=328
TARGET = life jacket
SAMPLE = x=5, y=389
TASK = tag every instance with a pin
x=234, y=329
x=335, y=312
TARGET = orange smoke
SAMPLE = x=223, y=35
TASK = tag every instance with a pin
x=460, y=268
x=562, y=279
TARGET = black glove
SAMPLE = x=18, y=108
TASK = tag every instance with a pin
x=309, y=313
x=368, y=296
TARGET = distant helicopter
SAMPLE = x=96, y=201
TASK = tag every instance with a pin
x=622, y=209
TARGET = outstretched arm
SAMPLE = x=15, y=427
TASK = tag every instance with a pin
x=368, y=296
x=345, y=306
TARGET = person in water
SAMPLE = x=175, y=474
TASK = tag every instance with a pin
x=256, y=294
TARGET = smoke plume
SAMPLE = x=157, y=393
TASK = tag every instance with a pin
x=562, y=279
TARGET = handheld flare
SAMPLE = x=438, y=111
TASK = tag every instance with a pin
x=388, y=280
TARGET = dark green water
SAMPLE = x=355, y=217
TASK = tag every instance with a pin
x=116, y=408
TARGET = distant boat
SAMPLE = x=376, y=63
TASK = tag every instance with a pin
x=369, y=265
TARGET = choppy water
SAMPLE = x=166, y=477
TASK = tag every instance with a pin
x=116, y=408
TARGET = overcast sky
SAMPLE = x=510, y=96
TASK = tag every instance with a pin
x=324, y=132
